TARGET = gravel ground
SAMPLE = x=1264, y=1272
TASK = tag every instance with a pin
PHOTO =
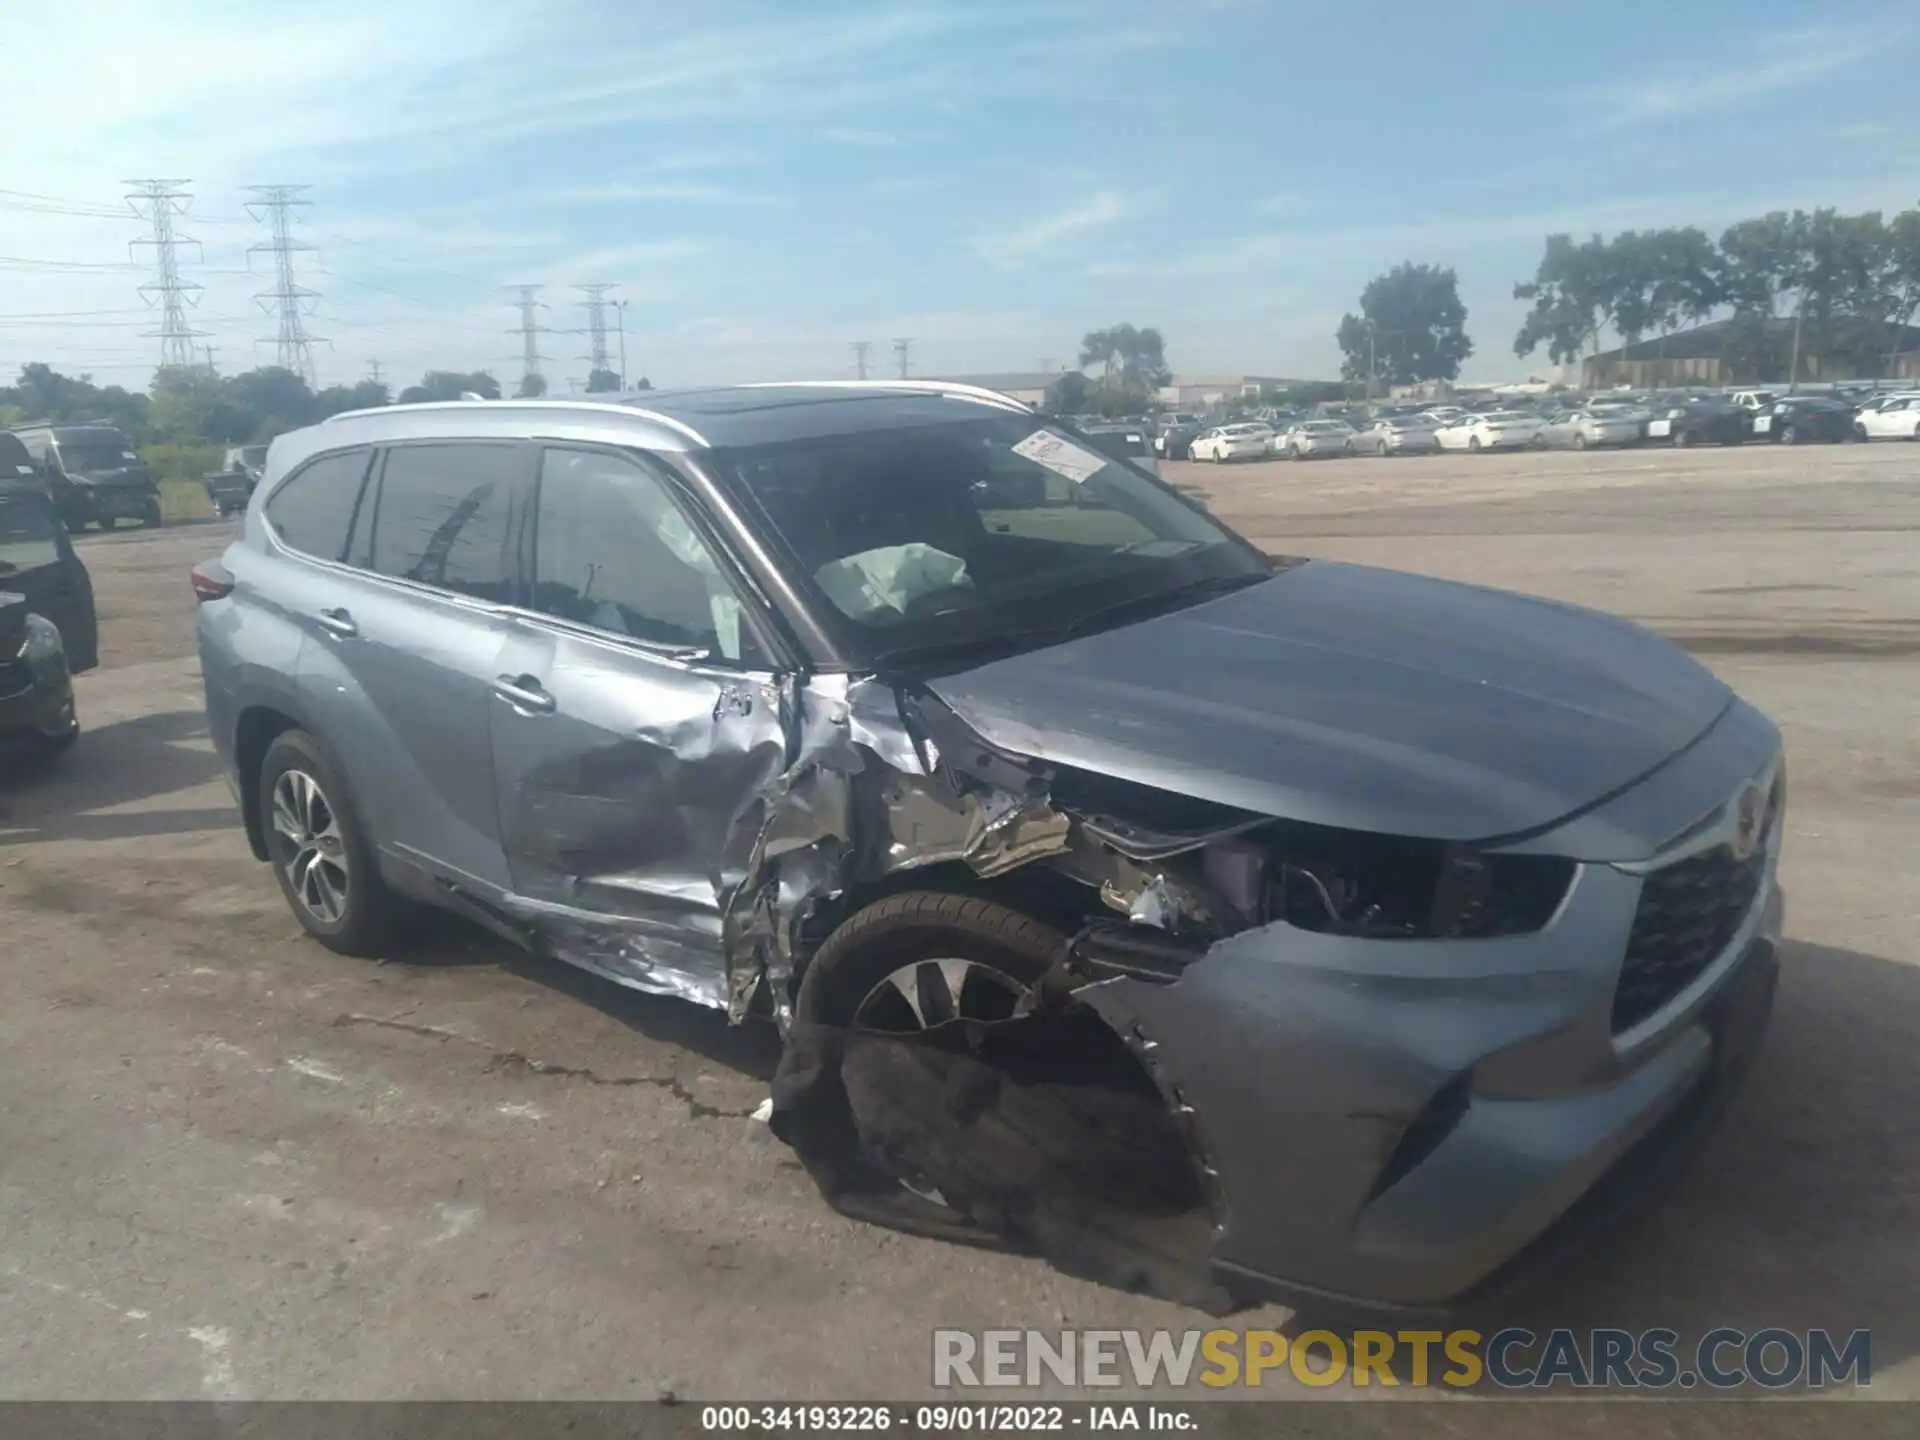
x=233, y=1164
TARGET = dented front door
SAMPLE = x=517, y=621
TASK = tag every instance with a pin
x=636, y=729
x=627, y=783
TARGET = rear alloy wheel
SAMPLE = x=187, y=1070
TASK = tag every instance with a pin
x=1380, y=447
x=1682, y=439
x=1293, y=453
x=1790, y=435
x=320, y=855
x=150, y=517
x=1473, y=442
x=1860, y=433
x=1579, y=441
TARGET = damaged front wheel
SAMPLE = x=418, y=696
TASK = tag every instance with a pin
x=914, y=961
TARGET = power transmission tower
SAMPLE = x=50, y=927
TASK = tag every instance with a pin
x=596, y=308
x=292, y=300
x=158, y=202
x=900, y=349
x=531, y=380
x=860, y=349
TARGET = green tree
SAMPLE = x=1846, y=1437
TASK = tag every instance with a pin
x=1069, y=394
x=1132, y=364
x=43, y=393
x=278, y=399
x=602, y=382
x=531, y=387
x=1901, y=279
x=1572, y=290
x=338, y=399
x=1411, y=327
x=192, y=404
x=451, y=385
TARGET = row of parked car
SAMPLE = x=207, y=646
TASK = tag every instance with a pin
x=1681, y=420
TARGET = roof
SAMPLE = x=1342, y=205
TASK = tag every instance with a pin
x=1704, y=342
x=1012, y=380
x=680, y=420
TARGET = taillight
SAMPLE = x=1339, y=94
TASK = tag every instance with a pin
x=211, y=581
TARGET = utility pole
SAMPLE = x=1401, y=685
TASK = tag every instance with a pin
x=292, y=301
x=901, y=348
x=529, y=331
x=158, y=202
x=620, y=313
x=860, y=349
x=596, y=307
x=373, y=370
x=211, y=369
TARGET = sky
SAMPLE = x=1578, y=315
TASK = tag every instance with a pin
x=766, y=183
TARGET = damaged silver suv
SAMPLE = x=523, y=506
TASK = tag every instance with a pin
x=1106, y=875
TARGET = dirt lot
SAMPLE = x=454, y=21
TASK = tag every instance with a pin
x=233, y=1164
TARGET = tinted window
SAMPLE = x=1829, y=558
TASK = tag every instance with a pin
x=312, y=511
x=612, y=550
x=442, y=516
x=27, y=536
x=15, y=462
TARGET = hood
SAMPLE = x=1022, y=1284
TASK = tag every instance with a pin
x=1368, y=699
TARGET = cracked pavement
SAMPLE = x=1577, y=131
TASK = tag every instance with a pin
x=233, y=1164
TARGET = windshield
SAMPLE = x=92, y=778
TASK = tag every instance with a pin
x=84, y=453
x=992, y=531
x=254, y=455
x=27, y=536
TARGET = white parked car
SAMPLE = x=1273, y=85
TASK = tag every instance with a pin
x=1233, y=442
x=1897, y=418
x=1755, y=400
x=1397, y=435
x=1496, y=430
x=1316, y=439
x=1444, y=414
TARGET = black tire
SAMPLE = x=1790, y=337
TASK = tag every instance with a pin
x=1860, y=433
x=1293, y=453
x=1579, y=441
x=915, y=927
x=1380, y=448
x=108, y=522
x=150, y=516
x=1682, y=439
x=1473, y=442
x=366, y=921
x=1790, y=435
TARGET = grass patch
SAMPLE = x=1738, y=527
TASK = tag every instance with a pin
x=183, y=500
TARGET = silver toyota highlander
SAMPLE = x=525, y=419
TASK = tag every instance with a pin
x=1427, y=920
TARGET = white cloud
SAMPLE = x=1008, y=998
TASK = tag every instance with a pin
x=1035, y=236
x=1768, y=65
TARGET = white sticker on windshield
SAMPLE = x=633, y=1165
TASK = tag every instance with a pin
x=1060, y=455
x=24, y=469
x=128, y=455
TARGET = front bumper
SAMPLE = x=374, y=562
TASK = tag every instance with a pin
x=97, y=503
x=36, y=700
x=1411, y=1125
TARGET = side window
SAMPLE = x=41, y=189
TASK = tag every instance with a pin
x=442, y=516
x=612, y=550
x=312, y=512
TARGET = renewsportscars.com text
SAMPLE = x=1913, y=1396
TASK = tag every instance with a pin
x=1514, y=1358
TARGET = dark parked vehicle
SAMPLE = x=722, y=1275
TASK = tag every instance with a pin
x=232, y=485
x=1174, y=439
x=93, y=475
x=1798, y=419
x=47, y=625
x=1431, y=909
x=1702, y=422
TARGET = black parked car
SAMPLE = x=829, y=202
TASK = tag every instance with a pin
x=1702, y=422
x=48, y=630
x=93, y=475
x=1798, y=419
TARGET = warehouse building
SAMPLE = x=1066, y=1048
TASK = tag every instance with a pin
x=1699, y=357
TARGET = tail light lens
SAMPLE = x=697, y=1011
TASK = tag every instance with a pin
x=211, y=581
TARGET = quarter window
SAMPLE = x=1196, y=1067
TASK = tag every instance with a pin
x=442, y=517
x=313, y=510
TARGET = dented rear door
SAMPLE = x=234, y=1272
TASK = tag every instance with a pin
x=636, y=728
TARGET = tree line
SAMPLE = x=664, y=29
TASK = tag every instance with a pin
x=1850, y=284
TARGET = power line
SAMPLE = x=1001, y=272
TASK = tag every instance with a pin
x=860, y=349
x=529, y=332
x=901, y=351
x=158, y=202
x=292, y=300
x=596, y=307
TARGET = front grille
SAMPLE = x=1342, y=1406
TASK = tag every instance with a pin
x=1689, y=912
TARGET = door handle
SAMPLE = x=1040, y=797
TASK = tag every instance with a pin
x=337, y=622
x=524, y=693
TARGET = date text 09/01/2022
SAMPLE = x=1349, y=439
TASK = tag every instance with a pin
x=942, y=1419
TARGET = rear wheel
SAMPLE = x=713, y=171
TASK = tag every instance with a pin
x=1293, y=453
x=1579, y=441
x=1682, y=439
x=150, y=517
x=1380, y=447
x=1860, y=433
x=320, y=854
x=1473, y=442
x=1790, y=435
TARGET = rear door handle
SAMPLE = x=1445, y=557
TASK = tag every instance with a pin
x=524, y=693
x=337, y=622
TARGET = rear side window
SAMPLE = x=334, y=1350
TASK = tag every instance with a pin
x=443, y=514
x=313, y=511
x=28, y=539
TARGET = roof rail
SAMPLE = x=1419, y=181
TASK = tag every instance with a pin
x=922, y=387
x=546, y=404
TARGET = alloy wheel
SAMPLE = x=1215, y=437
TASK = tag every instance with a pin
x=931, y=992
x=309, y=846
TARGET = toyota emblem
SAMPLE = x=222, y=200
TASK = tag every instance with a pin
x=1749, y=815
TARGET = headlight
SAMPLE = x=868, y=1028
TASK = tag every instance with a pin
x=43, y=640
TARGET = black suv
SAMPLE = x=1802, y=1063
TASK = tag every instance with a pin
x=92, y=474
